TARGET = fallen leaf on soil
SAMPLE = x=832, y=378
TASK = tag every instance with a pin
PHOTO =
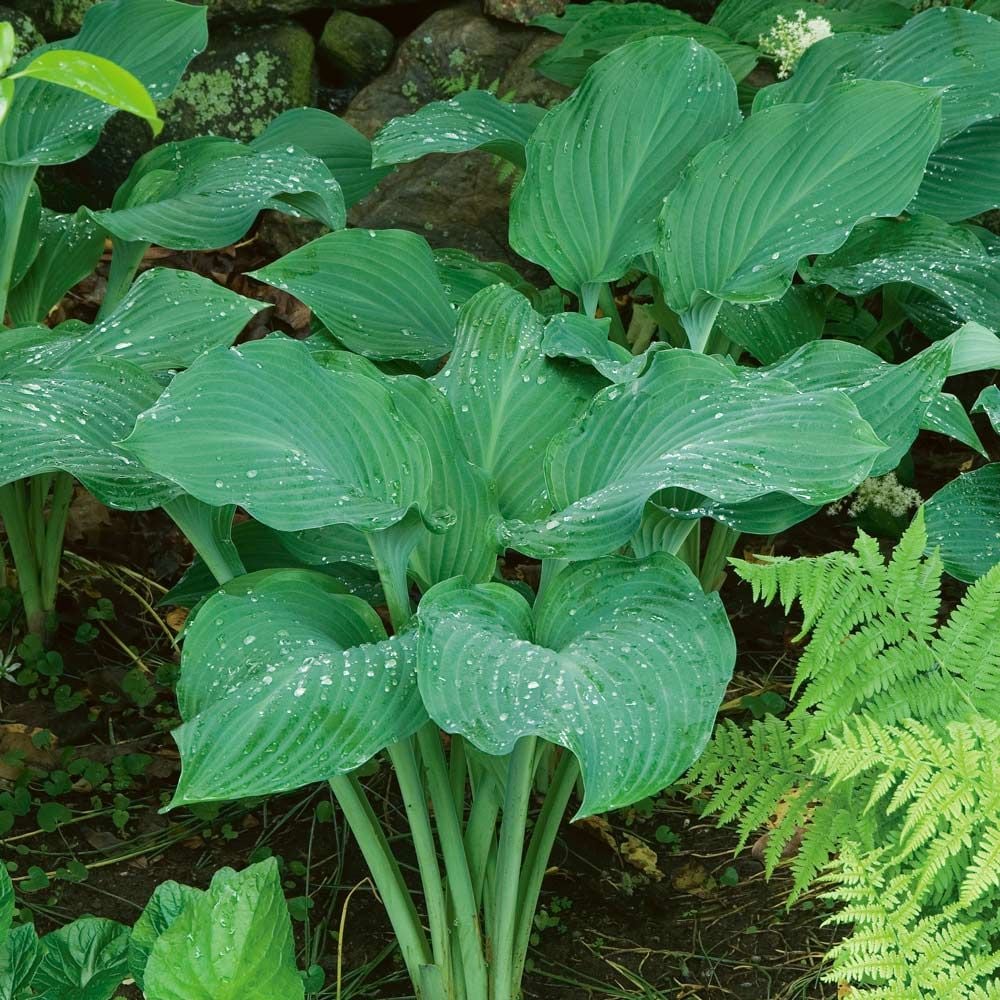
x=176, y=617
x=15, y=738
x=641, y=856
x=87, y=516
x=694, y=879
x=600, y=828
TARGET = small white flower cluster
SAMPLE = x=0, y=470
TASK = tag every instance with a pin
x=883, y=492
x=790, y=37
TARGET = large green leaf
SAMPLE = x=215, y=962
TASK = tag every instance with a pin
x=29, y=235
x=165, y=905
x=264, y=427
x=463, y=274
x=989, y=403
x=20, y=953
x=963, y=520
x=607, y=27
x=70, y=247
x=944, y=47
x=153, y=39
x=469, y=547
x=259, y=547
x=746, y=20
x=232, y=942
x=376, y=291
x=166, y=320
x=770, y=330
x=7, y=903
x=692, y=422
x=600, y=163
x=974, y=349
x=573, y=335
x=93, y=76
x=946, y=415
x=508, y=397
x=345, y=151
x=72, y=421
x=961, y=178
x=86, y=960
x=473, y=119
x=789, y=181
x=946, y=260
x=206, y=192
x=623, y=662
x=287, y=681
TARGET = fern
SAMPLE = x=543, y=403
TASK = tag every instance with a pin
x=887, y=767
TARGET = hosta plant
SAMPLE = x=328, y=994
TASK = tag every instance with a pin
x=232, y=941
x=885, y=772
x=68, y=394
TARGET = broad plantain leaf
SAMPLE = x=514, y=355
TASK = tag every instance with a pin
x=345, y=151
x=600, y=163
x=287, y=681
x=948, y=261
x=232, y=942
x=386, y=300
x=961, y=175
x=72, y=421
x=963, y=521
x=263, y=426
x=736, y=233
x=49, y=124
x=206, y=192
x=473, y=119
x=623, y=662
x=770, y=330
x=952, y=50
x=165, y=905
x=607, y=27
x=508, y=398
x=692, y=422
x=69, y=249
x=86, y=960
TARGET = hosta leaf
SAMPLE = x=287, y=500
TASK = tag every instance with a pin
x=573, y=335
x=166, y=320
x=945, y=47
x=693, y=423
x=7, y=903
x=50, y=124
x=70, y=247
x=473, y=119
x=263, y=427
x=260, y=547
x=386, y=300
x=29, y=236
x=974, y=349
x=623, y=662
x=462, y=275
x=746, y=20
x=989, y=403
x=286, y=681
x=72, y=421
x=892, y=399
x=946, y=260
x=20, y=953
x=345, y=151
x=963, y=520
x=766, y=515
x=607, y=27
x=165, y=905
x=561, y=23
x=735, y=234
x=96, y=77
x=86, y=960
x=205, y=193
x=510, y=399
x=600, y=163
x=232, y=942
x=961, y=175
x=469, y=547
x=946, y=415
x=770, y=330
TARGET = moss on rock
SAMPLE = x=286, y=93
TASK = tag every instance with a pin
x=26, y=31
x=355, y=47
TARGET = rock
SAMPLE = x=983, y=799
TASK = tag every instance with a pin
x=355, y=47
x=27, y=35
x=522, y=11
x=462, y=200
x=372, y=4
x=247, y=76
